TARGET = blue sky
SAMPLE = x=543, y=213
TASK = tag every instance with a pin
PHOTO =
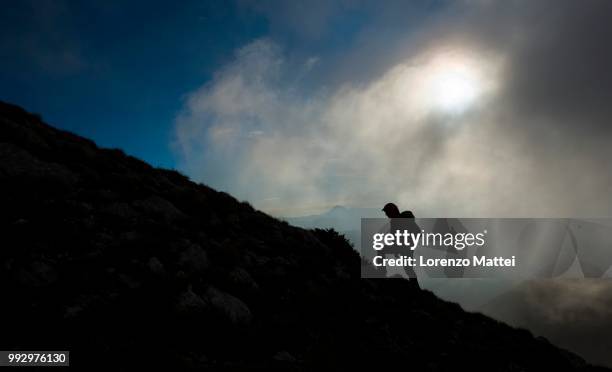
x=118, y=72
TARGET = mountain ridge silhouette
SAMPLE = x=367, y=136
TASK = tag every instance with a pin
x=130, y=266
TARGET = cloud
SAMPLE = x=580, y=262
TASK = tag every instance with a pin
x=571, y=313
x=534, y=144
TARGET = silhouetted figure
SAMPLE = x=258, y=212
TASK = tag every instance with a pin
x=401, y=221
x=392, y=211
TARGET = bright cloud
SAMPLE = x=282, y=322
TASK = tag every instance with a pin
x=443, y=130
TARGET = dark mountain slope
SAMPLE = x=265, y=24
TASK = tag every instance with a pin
x=126, y=265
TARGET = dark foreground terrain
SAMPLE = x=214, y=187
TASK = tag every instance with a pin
x=130, y=266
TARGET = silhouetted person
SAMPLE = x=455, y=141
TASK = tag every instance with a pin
x=392, y=211
x=401, y=221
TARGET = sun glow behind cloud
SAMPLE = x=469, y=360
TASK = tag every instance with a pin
x=335, y=147
x=429, y=132
x=454, y=88
x=454, y=82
